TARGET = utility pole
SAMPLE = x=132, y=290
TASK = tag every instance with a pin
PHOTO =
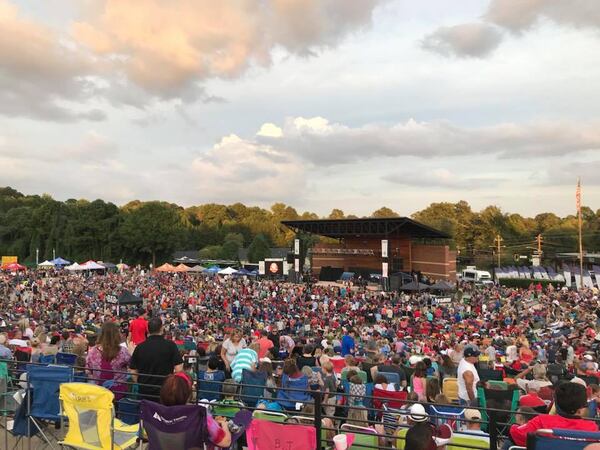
x=498, y=241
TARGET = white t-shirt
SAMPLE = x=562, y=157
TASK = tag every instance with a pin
x=232, y=349
x=466, y=366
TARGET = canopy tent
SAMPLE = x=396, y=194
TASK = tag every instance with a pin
x=60, y=262
x=74, y=267
x=92, y=265
x=197, y=269
x=127, y=298
x=122, y=266
x=442, y=285
x=213, y=269
x=166, y=267
x=13, y=267
x=46, y=264
x=414, y=286
x=107, y=265
x=181, y=268
x=227, y=271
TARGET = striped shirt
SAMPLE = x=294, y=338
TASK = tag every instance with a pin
x=245, y=359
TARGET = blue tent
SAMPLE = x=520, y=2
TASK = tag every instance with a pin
x=60, y=262
x=213, y=270
x=243, y=271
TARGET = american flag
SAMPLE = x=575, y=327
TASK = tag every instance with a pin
x=578, y=196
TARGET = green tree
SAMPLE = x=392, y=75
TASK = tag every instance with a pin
x=211, y=252
x=259, y=249
x=384, y=212
x=336, y=214
x=152, y=230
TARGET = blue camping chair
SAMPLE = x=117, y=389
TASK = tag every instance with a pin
x=43, y=385
x=209, y=385
x=253, y=387
x=293, y=390
x=392, y=378
x=66, y=359
x=47, y=359
x=561, y=439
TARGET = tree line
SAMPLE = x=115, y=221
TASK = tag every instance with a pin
x=149, y=232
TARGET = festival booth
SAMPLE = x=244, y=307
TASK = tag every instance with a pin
x=227, y=271
x=13, y=267
x=166, y=267
x=92, y=265
x=181, y=268
x=60, y=262
x=197, y=269
x=107, y=265
x=414, y=286
x=122, y=266
x=74, y=267
x=46, y=265
x=212, y=270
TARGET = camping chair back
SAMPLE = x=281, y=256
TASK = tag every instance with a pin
x=253, y=387
x=364, y=438
x=449, y=415
x=361, y=373
x=489, y=374
x=460, y=441
x=66, y=359
x=90, y=411
x=561, y=439
x=263, y=434
x=338, y=364
x=209, y=384
x=392, y=378
x=47, y=359
x=484, y=395
x=394, y=400
x=293, y=390
x=45, y=382
x=271, y=416
x=450, y=389
x=170, y=427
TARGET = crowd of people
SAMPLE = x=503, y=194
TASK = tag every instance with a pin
x=328, y=338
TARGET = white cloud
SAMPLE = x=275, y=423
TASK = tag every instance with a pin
x=324, y=143
x=470, y=39
x=237, y=169
x=440, y=178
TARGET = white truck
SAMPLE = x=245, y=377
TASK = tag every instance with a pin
x=476, y=276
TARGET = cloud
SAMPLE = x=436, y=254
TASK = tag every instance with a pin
x=567, y=174
x=39, y=75
x=470, y=39
x=323, y=143
x=167, y=48
x=520, y=15
x=480, y=39
x=237, y=167
x=440, y=178
x=94, y=148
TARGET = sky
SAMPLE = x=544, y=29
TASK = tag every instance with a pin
x=320, y=104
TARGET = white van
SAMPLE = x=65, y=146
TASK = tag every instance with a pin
x=476, y=276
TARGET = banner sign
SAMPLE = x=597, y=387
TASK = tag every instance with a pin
x=343, y=251
x=296, y=265
x=111, y=299
x=6, y=260
x=384, y=248
x=384, y=270
x=296, y=246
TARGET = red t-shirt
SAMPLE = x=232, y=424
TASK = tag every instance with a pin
x=546, y=421
x=138, y=330
x=531, y=400
x=264, y=346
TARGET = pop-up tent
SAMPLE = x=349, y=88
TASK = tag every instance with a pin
x=197, y=269
x=442, y=285
x=107, y=265
x=60, y=262
x=166, y=267
x=212, y=270
x=227, y=271
x=92, y=265
x=414, y=286
x=46, y=264
x=13, y=267
x=74, y=267
x=122, y=266
x=127, y=298
x=181, y=268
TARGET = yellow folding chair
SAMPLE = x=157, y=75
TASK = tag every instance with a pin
x=91, y=416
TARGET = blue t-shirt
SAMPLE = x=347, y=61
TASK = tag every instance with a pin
x=347, y=345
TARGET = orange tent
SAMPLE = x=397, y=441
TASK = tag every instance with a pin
x=166, y=268
x=181, y=268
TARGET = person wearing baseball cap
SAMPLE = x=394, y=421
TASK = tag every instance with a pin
x=468, y=377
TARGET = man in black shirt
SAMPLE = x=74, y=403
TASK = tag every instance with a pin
x=153, y=360
x=395, y=367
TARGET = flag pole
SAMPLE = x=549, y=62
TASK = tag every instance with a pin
x=578, y=197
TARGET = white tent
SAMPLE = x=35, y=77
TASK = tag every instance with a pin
x=46, y=264
x=227, y=271
x=197, y=269
x=92, y=265
x=74, y=267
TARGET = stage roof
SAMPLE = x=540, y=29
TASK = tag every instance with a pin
x=373, y=227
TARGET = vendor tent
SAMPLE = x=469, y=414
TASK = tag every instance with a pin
x=92, y=265
x=414, y=286
x=60, y=262
x=127, y=298
x=442, y=285
x=107, y=265
x=46, y=264
x=74, y=267
x=197, y=269
x=181, y=268
x=122, y=266
x=212, y=270
x=166, y=267
x=227, y=271
x=13, y=267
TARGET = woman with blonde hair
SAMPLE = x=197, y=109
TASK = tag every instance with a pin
x=108, y=360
